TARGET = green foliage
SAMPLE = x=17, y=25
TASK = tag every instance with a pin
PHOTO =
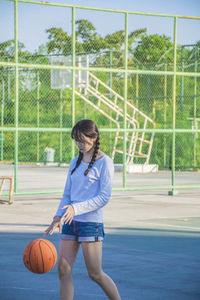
x=7, y=49
x=59, y=41
x=89, y=41
x=151, y=48
x=85, y=30
x=47, y=108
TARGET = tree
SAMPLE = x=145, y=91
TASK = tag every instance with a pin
x=59, y=41
x=7, y=48
x=85, y=30
x=116, y=40
x=191, y=54
x=115, y=43
x=151, y=48
x=88, y=40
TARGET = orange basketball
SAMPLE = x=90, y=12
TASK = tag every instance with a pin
x=40, y=256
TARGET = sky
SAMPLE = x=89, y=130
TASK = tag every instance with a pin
x=35, y=19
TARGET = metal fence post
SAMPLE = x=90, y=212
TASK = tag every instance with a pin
x=16, y=97
x=73, y=74
x=2, y=120
x=38, y=115
x=173, y=191
x=125, y=98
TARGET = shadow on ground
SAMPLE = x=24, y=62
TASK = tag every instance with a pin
x=146, y=264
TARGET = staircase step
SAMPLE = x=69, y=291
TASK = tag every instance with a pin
x=110, y=104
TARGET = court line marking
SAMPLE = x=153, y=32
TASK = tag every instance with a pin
x=174, y=226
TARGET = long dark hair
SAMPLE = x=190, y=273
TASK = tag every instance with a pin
x=89, y=129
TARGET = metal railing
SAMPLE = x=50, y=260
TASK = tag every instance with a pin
x=126, y=71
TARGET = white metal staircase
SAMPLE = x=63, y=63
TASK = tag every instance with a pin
x=109, y=103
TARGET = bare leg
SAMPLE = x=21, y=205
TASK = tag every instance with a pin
x=67, y=255
x=92, y=252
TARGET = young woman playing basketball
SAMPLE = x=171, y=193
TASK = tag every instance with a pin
x=87, y=190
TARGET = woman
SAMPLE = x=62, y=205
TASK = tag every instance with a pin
x=87, y=190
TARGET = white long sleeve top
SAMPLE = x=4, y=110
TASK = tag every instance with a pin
x=88, y=194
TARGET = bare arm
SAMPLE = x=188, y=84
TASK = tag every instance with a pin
x=55, y=223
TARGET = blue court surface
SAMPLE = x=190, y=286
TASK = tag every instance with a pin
x=149, y=259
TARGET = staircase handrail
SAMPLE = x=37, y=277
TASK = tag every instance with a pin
x=121, y=98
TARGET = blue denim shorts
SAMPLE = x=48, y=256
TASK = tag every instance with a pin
x=83, y=231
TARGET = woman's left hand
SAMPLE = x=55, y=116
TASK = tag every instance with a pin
x=69, y=214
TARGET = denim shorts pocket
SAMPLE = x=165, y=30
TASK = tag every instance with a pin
x=68, y=229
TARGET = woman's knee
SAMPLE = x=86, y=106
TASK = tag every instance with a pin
x=64, y=268
x=96, y=276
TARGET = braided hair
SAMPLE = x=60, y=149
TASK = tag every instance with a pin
x=96, y=148
x=89, y=129
x=78, y=162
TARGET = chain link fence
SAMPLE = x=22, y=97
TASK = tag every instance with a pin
x=123, y=80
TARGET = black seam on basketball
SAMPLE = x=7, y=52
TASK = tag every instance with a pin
x=41, y=256
x=30, y=258
x=51, y=252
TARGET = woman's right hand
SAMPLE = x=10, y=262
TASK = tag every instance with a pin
x=55, y=223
